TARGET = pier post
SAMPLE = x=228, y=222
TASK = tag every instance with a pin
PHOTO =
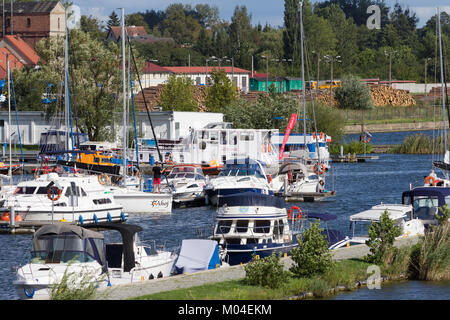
x=12, y=214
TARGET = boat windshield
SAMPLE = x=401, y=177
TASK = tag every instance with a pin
x=183, y=169
x=425, y=208
x=240, y=173
x=25, y=190
x=66, y=248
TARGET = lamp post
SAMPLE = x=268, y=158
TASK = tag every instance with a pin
x=389, y=54
x=267, y=72
x=331, y=59
x=318, y=69
x=426, y=71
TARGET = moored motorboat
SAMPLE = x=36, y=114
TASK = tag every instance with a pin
x=69, y=198
x=81, y=255
x=250, y=224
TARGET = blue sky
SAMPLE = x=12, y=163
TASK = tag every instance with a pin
x=270, y=11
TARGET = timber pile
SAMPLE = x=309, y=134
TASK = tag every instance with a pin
x=324, y=97
x=386, y=95
x=152, y=95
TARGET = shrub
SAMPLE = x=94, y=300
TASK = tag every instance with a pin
x=353, y=94
x=430, y=260
x=381, y=238
x=267, y=272
x=312, y=256
x=75, y=286
x=444, y=214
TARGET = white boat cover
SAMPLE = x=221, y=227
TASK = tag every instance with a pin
x=396, y=211
x=197, y=255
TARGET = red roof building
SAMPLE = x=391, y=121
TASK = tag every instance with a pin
x=19, y=54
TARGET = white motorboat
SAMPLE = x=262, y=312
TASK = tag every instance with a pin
x=186, y=182
x=81, y=254
x=296, y=178
x=237, y=176
x=401, y=214
x=136, y=201
x=71, y=198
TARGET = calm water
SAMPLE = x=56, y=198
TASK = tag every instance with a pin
x=389, y=137
x=359, y=186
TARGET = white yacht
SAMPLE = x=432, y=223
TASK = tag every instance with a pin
x=82, y=255
x=186, y=182
x=401, y=214
x=237, y=176
x=71, y=198
x=296, y=178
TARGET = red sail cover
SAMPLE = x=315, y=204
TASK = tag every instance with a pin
x=288, y=132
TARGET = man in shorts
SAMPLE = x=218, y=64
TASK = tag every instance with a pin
x=157, y=170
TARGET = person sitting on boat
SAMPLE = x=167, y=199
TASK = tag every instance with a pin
x=157, y=170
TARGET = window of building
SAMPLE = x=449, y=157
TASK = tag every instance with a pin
x=8, y=23
x=28, y=22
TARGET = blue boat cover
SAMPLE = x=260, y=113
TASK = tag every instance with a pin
x=438, y=192
x=251, y=199
x=321, y=216
x=197, y=255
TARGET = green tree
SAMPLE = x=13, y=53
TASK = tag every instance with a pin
x=113, y=21
x=291, y=31
x=382, y=235
x=353, y=94
x=221, y=93
x=177, y=94
x=240, y=33
x=312, y=256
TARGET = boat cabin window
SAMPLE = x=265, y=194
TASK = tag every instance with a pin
x=102, y=201
x=25, y=190
x=224, y=226
x=241, y=226
x=233, y=240
x=64, y=249
x=233, y=139
x=223, y=137
x=42, y=190
x=278, y=227
x=193, y=186
x=425, y=208
x=69, y=192
x=247, y=136
x=204, y=135
x=252, y=241
x=262, y=226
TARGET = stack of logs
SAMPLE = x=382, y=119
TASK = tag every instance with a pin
x=386, y=95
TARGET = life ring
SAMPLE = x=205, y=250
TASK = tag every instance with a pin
x=365, y=139
x=430, y=180
x=6, y=216
x=213, y=163
x=321, y=135
x=270, y=177
x=103, y=179
x=314, y=135
x=319, y=168
x=54, y=193
x=299, y=215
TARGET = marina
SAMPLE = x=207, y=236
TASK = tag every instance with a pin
x=142, y=179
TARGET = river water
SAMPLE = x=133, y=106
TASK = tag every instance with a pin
x=359, y=187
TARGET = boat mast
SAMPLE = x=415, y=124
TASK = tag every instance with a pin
x=66, y=85
x=124, y=93
x=442, y=84
x=9, y=119
x=303, y=73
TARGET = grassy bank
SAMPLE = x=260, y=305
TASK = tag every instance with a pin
x=345, y=274
x=421, y=144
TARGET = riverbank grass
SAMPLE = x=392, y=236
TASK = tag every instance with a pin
x=345, y=274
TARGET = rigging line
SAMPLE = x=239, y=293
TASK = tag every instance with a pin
x=71, y=71
x=17, y=119
x=145, y=100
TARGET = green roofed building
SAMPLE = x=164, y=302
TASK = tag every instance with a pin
x=281, y=84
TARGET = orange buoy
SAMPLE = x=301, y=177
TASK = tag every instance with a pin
x=18, y=218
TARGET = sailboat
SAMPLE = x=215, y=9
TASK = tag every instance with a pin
x=128, y=195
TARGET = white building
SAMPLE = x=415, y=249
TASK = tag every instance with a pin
x=169, y=125
x=154, y=75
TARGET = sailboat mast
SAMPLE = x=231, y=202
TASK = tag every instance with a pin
x=66, y=84
x=9, y=120
x=124, y=94
x=442, y=80
x=303, y=73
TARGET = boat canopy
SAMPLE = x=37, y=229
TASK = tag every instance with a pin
x=251, y=199
x=197, y=255
x=395, y=211
x=127, y=231
x=321, y=216
x=63, y=243
x=440, y=193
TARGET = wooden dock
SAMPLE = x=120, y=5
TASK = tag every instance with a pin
x=307, y=196
x=353, y=158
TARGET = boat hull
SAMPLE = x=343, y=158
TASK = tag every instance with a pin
x=238, y=254
x=145, y=202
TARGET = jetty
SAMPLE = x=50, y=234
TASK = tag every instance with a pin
x=353, y=158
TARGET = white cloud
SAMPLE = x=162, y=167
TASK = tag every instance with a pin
x=425, y=13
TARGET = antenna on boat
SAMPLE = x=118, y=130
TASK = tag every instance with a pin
x=124, y=99
x=303, y=71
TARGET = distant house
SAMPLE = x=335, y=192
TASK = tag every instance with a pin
x=136, y=33
x=33, y=20
x=19, y=54
x=154, y=75
x=282, y=84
